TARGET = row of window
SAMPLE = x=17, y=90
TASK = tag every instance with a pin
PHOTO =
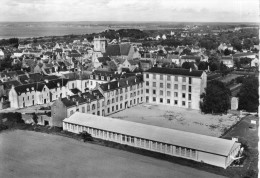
x=116, y=92
x=176, y=78
x=169, y=93
x=176, y=86
x=134, y=141
x=88, y=107
x=113, y=100
x=121, y=105
x=168, y=101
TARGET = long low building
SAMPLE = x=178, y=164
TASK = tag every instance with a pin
x=211, y=150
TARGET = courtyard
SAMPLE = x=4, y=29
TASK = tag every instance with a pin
x=31, y=154
x=178, y=118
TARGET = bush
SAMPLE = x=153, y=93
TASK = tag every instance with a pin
x=86, y=136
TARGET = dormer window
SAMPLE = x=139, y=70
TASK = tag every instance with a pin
x=102, y=77
x=96, y=77
x=108, y=78
x=91, y=76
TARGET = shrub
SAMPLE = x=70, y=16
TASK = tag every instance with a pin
x=86, y=136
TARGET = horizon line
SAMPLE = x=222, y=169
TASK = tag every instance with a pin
x=119, y=21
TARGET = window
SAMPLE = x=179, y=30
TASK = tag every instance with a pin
x=154, y=76
x=175, y=94
x=189, y=96
x=161, y=92
x=183, y=103
x=176, y=86
x=121, y=91
x=113, y=100
x=126, y=96
x=132, y=140
x=176, y=78
x=83, y=109
x=183, y=79
x=176, y=102
x=188, y=152
x=168, y=85
x=154, y=99
x=184, y=87
x=88, y=107
x=142, y=142
x=189, y=88
x=112, y=108
x=190, y=80
x=138, y=92
x=147, y=83
x=182, y=151
x=71, y=112
x=121, y=106
x=154, y=145
x=154, y=92
x=168, y=101
x=183, y=95
x=116, y=107
x=154, y=84
x=121, y=98
x=168, y=93
x=147, y=75
x=161, y=100
x=108, y=102
x=98, y=105
x=193, y=153
x=161, y=85
x=161, y=77
x=177, y=150
x=108, y=110
x=168, y=77
x=141, y=91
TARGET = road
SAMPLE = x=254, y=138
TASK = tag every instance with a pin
x=32, y=154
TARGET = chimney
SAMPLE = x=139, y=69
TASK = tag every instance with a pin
x=118, y=84
x=108, y=86
x=127, y=82
x=79, y=93
x=190, y=69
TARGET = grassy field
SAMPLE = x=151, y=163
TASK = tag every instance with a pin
x=178, y=118
x=32, y=154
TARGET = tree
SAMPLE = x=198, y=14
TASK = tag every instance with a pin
x=216, y=98
x=203, y=65
x=187, y=65
x=85, y=136
x=227, y=52
x=213, y=66
x=248, y=95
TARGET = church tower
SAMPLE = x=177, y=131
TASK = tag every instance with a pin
x=99, y=44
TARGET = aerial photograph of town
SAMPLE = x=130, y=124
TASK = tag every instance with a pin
x=129, y=88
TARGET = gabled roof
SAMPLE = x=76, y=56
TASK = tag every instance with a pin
x=120, y=83
x=29, y=88
x=175, y=71
x=190, y=140
x=8, y=85
x=113, y=50
x=237, y=55
x=125, y=48
x=104, y=59
x=190, y=57
x=51, y=84
x=84, y=98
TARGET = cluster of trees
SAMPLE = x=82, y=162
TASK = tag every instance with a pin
x=248, y=95
x=12, y=41
x=216, y=98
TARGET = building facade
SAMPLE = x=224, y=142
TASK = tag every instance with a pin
x=175, y=87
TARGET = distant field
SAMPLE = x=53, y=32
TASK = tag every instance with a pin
x=27, y=154
x=178, y=118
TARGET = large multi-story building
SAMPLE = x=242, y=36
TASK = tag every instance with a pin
x=175, y=87
x=122, y=94
x=90, y=102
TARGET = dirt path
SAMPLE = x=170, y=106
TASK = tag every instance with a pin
x=32, y=154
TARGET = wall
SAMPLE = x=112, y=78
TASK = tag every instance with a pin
x=58, y=113
x=212, y=159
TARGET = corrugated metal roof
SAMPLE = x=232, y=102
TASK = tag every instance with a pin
x=175, y=137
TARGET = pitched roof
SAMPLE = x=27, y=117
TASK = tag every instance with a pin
x=51, y=84
x=8, y=85
x=190, y=57
x=113, y=50
x=121, y=83
x=199, y=142
x=175, y=71
x=104, y=59
x=125, y=48
x=29, y=88
x=84, y=98
x=243, y=54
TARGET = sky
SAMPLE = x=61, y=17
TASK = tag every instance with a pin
x=130, y=10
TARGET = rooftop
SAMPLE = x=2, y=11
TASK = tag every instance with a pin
x=175, y=71
x=175, y=137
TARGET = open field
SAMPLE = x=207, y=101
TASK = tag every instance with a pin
x=33, y=154
x=178, y=118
